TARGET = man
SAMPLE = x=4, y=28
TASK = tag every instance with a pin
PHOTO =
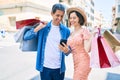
x=2, y=32
x=50, y=60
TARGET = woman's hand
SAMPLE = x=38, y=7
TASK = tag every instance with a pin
x=64, y=48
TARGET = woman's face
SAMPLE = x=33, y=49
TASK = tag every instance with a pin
x=73, y=19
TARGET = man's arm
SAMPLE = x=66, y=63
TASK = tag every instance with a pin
x=32, y=33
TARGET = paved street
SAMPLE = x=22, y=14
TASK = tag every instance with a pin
x=18, y=65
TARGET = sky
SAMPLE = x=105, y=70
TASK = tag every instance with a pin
x=105, y=6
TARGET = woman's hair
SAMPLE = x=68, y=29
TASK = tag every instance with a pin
x=81, y=19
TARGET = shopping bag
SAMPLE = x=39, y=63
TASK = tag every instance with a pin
x=117, y=35
x=18, y=37
x=29, y=45
x=113, y=59
x=26, y=22
x=26, y=45
x=112, y=40
x=102, y=55
x=103, y=59
x=94, y=56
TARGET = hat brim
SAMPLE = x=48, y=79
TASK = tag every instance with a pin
x=78, y=10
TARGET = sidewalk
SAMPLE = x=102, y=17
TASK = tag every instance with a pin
x=16, y=65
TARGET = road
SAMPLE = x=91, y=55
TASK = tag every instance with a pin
x=18, y=65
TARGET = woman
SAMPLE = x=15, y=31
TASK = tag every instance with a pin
x=79, y=42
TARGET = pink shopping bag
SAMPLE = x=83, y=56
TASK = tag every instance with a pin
x=102, y=55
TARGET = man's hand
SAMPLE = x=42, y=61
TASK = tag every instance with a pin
x=40, y=26
x=64, y=48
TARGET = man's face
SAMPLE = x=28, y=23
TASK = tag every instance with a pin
x=57, y=17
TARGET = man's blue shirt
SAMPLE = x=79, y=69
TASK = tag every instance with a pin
x=42, y=37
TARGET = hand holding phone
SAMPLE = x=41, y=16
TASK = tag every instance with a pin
x=63, y=41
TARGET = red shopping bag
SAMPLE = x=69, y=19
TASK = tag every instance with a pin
x=102, y=55
x=103, y=59
x=27, y=22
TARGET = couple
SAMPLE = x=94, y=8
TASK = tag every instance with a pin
x=51, y=55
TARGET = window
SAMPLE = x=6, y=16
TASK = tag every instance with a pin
x=118, y=8
x=1, y=13
x=12, y=20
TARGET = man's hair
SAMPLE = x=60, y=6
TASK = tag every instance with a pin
x=58, y=7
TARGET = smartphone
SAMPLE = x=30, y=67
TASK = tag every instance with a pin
x=63, y=41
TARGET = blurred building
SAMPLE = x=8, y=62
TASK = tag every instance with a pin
x=114, y=21
x=116, y=15
x=90, y=11
x=14, y=10
x=98, y=18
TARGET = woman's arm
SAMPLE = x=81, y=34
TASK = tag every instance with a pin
x=87, y=43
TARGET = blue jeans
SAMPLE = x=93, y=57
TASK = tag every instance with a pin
x=51, y=74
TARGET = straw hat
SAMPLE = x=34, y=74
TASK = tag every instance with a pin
x=81, y=11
